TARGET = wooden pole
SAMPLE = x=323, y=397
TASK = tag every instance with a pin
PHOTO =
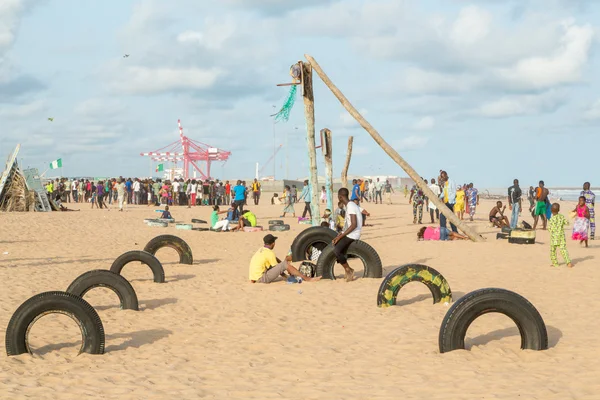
x=327, y=153
x=347, y=164
x=470, y=232
x=309, y=115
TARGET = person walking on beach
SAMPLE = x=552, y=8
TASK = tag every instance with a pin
x=514, y=203
x=417, y=199
x=265, y=267
x=306, y=197
x=351, y=232
x=472, y=200
x=557, y=236
x=448, y=197
x=541, y=195
x=590, y=200
x=582, y=222
x=432, y=207
x=289, y=202
x=388, y=192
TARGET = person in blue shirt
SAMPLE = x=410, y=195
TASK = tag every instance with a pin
x=239, y=193
x=355, y=190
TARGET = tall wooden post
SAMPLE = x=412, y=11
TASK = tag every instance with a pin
x=309, y=115
x=347, y=164
x=327, y=153
x=410, y=171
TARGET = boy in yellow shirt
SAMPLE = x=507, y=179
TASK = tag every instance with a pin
x=265, y=267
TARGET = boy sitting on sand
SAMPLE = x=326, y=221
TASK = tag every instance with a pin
x=265, y=267
x=166, y=214
x=556, y=226
x=498, y=220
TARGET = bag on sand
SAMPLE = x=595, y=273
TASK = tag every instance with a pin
x=308, y=269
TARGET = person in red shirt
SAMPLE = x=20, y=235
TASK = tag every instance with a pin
x=227, y=193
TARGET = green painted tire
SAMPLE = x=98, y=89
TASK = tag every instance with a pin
x=393, y=282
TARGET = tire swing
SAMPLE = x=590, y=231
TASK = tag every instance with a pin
x=174, y=242
x=472, y=305
x=357, y=249
x=92, y=331
x=395, y=280
x=307, y=238
x=143, y=257
x=108, y=279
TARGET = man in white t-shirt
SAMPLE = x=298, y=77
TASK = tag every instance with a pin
x=176, y=200
x=136, y=191
x=351, y=232
x=435, y=188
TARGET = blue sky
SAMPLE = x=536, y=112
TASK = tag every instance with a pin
x=488, y=90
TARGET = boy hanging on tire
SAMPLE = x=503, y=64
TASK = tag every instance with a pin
x=350, y=232
x=265, y=267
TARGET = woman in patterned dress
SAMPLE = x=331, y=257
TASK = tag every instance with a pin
x=590, y=199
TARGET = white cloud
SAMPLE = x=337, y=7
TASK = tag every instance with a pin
x=593, y=112
x=348, y=121
x=143, y=80
x=413, y=142
x=509, y=106
x=214, y=35
x=24, y=110
x=424, y=124
x=564, y=66
x=472, y=25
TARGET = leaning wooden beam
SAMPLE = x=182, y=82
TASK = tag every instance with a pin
x=347, y=164
x=309, y=115
x=470, y=232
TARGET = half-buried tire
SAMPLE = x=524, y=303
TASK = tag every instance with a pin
x=279, y=228
x=143, y=257
x=307, y=238
x=108, y=279
x=92, y=331
x=174, y=242
x=393, y=282
x=472, y=305
x=358, y=249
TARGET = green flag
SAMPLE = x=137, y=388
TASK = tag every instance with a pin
x=160, y=168
x=56, y=164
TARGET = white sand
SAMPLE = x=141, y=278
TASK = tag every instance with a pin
x=208, y=333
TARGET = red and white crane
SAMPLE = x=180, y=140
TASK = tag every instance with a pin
x=191, y=153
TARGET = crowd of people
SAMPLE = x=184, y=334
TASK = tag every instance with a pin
x=150, y=192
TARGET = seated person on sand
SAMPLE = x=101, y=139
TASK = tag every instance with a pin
x=166, y=214
x=58, y=202
x=215, y=224
x=438, y=233
x=497, y=216
x=248, y=219
x=233, y=214
x=265, y=267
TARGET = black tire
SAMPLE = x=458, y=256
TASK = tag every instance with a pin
x=358, y=249
x=92, y=331
x=276, y=222
x=472, y=305
x=143, y=257
x=393, y=282
x=108, y=279
x=279, y=228
x=199, y=221
x=308, y=237
x=174, y=242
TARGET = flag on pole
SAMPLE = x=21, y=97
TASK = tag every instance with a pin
x=56, y=164
x=160, y=168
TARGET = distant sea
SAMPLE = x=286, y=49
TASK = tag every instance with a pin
x=563, y=193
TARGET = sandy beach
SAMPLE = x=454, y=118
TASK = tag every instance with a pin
x=208, y=333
